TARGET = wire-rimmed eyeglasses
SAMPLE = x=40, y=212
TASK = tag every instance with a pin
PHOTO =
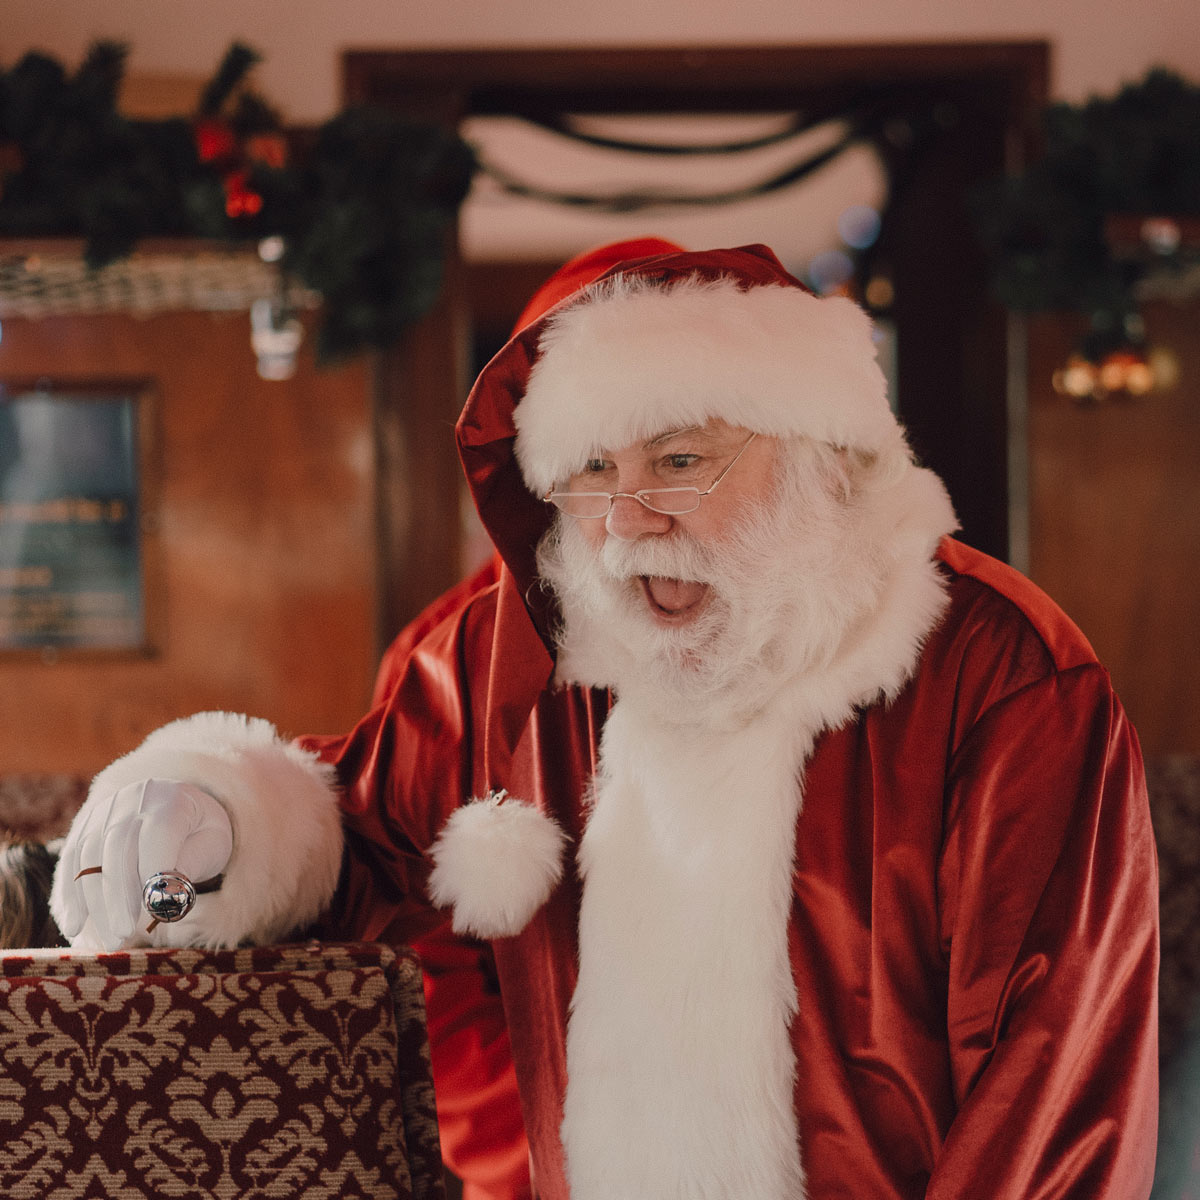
x=673, y=501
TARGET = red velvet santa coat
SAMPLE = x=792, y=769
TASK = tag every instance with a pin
x=972, y=926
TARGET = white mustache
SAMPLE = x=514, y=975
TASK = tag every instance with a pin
x=677, y=557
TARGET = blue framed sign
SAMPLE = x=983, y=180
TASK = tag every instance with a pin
x=72, y=511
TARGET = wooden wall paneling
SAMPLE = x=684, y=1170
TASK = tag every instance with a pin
x=1115, y=522
x=265, y=530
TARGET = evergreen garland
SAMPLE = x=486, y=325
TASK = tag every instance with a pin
x=363, y=206
x=1137, y=153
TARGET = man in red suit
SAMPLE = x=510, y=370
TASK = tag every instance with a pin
x=811, y=846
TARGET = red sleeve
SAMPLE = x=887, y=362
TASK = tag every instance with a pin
x=395, y=657
x=403, y=770
x=479, y=1111
x=1050, y=899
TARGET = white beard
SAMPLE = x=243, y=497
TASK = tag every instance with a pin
x=681, y=1072
x=783, y=592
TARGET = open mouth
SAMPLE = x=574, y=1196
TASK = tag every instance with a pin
x=674, y=601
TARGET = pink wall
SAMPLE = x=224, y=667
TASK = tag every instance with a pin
x=1096, y=46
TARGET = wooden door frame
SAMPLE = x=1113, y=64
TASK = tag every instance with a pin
x=954, y=354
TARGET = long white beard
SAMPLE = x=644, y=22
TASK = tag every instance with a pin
x=679, y=1055
x=784, y=590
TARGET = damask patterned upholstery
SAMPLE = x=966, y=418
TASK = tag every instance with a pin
x=1174, y=783
x=288, y=1071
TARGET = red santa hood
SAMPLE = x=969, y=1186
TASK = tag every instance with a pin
x=735, y=336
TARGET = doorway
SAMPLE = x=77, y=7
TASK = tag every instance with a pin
x=960, y=114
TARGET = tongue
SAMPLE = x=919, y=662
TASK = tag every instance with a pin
x=674, y=595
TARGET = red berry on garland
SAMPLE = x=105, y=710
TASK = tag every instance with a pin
x=214, y=140
x=240, y=201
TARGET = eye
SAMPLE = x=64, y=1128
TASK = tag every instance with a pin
x=679, y=467
x=595, y=473
x=681, y=462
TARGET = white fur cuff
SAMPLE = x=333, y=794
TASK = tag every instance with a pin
x=287, y=827
x=496, y=861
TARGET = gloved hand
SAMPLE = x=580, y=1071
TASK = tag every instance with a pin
x=131, y=834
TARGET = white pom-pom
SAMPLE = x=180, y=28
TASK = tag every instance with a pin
x=496, y=862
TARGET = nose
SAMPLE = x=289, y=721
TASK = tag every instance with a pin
x=629, y=519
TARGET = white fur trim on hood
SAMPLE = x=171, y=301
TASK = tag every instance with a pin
x=632, y=360
x=287, y=828
x=496, y=861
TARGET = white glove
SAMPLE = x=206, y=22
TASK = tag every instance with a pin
x=143, y=828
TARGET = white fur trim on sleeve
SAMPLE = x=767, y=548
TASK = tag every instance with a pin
x=287, y=828
x=496, y=861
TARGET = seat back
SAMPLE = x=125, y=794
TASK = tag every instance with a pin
x=298, y=1070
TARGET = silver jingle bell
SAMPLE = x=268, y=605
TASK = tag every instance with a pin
x=168, y=896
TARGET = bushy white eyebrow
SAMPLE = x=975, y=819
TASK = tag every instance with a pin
x=653, y=443
x=671, y=433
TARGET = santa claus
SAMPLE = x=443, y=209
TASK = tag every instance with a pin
x=812, y=846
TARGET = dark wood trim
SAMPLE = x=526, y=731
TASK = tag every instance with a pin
x=419, y=387
x=637, y=79
x=953, y=356
x=491, y=287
